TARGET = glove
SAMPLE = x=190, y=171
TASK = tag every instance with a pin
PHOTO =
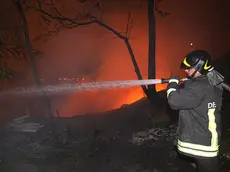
x=174, y=79
x=173, y=84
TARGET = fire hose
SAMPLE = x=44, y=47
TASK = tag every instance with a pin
x=214, y=77
x=164, y=81
x=223, y=84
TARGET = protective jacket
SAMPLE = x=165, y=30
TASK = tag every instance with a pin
x=199, y=125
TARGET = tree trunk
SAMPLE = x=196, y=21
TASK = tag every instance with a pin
x=152, y=49
x=30, y=53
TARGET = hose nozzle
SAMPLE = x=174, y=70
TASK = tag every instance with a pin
x=164, y=81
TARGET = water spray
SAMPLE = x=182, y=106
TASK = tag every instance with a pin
x=79, y=87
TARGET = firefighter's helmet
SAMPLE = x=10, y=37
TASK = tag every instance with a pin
x=200, y=60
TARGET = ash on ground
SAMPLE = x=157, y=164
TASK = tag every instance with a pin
x=155, y=134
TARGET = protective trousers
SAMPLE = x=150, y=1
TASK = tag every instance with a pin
x=207, y=164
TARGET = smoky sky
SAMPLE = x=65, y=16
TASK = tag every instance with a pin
x=205, y=23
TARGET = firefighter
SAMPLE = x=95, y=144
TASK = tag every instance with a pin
x=199, y=104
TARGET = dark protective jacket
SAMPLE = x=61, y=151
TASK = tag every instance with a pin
x=199, y=125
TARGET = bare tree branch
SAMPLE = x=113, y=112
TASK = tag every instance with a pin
x=11, y=47
x=160, y=12
x=128, y=26
x=6, y=52
x=61, y=22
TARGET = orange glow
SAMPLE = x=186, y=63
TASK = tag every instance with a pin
x=134, y=95
x=98, y=101
x=95, y=53
x=161, y=87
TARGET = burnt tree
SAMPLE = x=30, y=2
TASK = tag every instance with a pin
x=152, y=48
x=152, y=7
x=30, y=53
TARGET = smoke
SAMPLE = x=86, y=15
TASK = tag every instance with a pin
x=72, y=54
x=92, y=56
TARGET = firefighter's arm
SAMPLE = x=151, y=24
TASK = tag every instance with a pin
x=184, y=98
